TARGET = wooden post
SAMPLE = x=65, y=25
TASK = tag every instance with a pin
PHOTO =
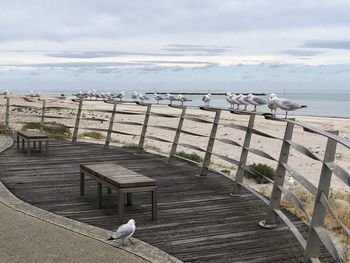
x=243, y=159
x=177, y=134
x=7, y=114
x=313, y=244
x=207, y=157
x=76, y=127
x=111, y=122
x=271, y=218
x=144, y=129
x=42, y=117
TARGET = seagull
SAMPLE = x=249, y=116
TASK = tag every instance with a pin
x=6, y=93
x=124, y=231
x=183, y=99
x=256, y=101
x=158, y=97
x=142, y=97
x=134, y=95
x=170, y=98
x=272, y=103
x=229, y=99
x=120, y=95
x=242, y=99
x=288, y=105
x=206, y=99
x=291, y=182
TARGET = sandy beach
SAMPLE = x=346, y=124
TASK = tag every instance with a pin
x=306, y=166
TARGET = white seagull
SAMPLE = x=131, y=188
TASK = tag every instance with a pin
x=182, y=99
x=229, y=99
x=143, y=97
x=255, y=100
x=119, y=96
x=124, y=231
x=288, y=105
x=206, y=99
x=272, y=103
x=170, y=98
x=134, y=95
x=158, y=97
x=242, y=99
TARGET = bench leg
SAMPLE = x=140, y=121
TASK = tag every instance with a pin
x=40, y=145
x=128, y=199
x=23, y=145
x=34, y=145
x=154, y=204
x=28, y=151
x=99, y=195
x=17, y=141
x=120, y=207
x=82, y=184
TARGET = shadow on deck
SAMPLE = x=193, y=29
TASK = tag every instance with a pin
x=198, y=220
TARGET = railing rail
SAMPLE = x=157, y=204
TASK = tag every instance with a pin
x=315, y=221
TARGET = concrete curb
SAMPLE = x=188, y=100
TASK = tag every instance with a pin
x=140, y=248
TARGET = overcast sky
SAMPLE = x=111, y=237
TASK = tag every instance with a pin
x=258, y=45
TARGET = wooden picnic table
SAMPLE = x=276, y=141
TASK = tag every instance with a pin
x=28, y=137
x=119, y=178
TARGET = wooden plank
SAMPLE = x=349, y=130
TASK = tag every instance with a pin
x=197, y=219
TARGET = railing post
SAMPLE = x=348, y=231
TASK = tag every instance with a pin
x=177, y=134
x=313, y=244
x=42, y=117
x=7, y=114
x=275, y=201
x=144, y=129
x=243, y=159
x=208, y=153
x=111, y=122
x=76, y=127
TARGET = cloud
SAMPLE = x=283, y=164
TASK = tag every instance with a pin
x=198, y=48
x=329, y=44
x=301, y=52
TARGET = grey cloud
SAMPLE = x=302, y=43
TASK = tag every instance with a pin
x=301, y=52
x=329, y=44
x=76, y=64
x=197, y=48
x=184, y=62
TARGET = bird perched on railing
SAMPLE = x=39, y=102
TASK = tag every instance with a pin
x=255, y=100
x=134, y=95
x=142, y=97
x=271, y=104
x=6, y=93
x=124, y=231
x=119, y=96
x=158, y=97
x=183, y=99
x=242, y=100
x=287, y=105
x=206, y=99
x=170, y=98
x=229, y=99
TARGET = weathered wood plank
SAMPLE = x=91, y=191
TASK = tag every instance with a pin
x=198, y=220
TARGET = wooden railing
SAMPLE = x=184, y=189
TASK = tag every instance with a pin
x=317, y=232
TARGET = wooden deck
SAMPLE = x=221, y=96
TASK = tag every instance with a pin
x=198, y=221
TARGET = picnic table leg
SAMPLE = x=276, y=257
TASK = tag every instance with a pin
x=99, y=195
x=120, y=206
x=82, y=184
x=128, y=199
x=23, y=144
x=47, y=147
x=28, y=151
x=154, y=204
x=34, y=145
x=17, y=141
x=40, y=144
x=109, y=190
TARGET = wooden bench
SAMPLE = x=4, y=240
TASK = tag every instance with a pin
x=119, y=178
x=32, y=136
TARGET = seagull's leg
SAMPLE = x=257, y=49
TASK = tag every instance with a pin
x=286, y=115
x=245, y=107
x=254, y=108
x=131, y=241
x=123, y=241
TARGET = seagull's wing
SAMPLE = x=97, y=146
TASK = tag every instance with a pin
x=123, y=231
x=290, y=104
x=259, y=100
